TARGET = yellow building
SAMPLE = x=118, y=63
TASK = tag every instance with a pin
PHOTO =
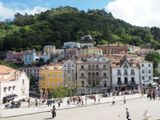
x=51, y=77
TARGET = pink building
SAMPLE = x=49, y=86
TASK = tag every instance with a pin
x=14, y=57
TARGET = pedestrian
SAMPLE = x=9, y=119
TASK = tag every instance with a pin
x=36, y=102
x=68, y=103
x=113, y=102
x=49, y=102
x=124, y=100
x=127, y=114
x=28, y=102
x=53, y=111
x=59, y=104
x=86, y=100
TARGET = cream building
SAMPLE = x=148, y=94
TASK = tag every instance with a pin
x=93, y=75
x=69, y=71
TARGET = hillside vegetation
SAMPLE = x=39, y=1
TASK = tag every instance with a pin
x=63, y=24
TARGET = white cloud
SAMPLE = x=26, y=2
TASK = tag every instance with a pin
x=136, y=12
x=7, y=12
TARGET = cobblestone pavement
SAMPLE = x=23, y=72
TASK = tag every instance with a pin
x=106, y=111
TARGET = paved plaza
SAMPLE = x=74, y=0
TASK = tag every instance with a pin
x=105, y=111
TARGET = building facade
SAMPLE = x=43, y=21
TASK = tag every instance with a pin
x=13, y=83
x=125, y=74
x=68, y=45
x=93, y=75
x=14, y=57
x=89, y=52
x=51, y=77
x=31, y=71
x=146, y=72
x=69, y=71
x=49, y=49
x=30, y=57
x=113, y=49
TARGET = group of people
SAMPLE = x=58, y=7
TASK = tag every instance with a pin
x=153, y=92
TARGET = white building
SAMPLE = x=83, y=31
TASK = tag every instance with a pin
x=69, y=70
x=68, y=45
x=125, y=74
x=146, y=72
x=13, y=84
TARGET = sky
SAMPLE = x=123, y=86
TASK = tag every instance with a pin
x=135, y=12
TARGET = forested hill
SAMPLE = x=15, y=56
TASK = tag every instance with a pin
x=63, y=24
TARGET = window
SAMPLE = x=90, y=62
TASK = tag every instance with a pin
x=125, y=80
x=104, y=83
x=9, y=88
x=132, y=72
x=89, y=66
x=143, y=78
x=149, y=71
x=97, y=66
x=65, y=65
x=119, y=82
x=69, y=64
x=72, y=65
x=97, y=73
x=149, y=65
x=104, y=66
x=82, y=83
x=142, y=65
x=82, y=67
x=5, y=89
x=14, y=87
x=104, y=74
x=132, y=80
x=23, y=81
x=82, y=74
x=149, y=77
x=143, y=71
x=125, y=72
x=118, y=72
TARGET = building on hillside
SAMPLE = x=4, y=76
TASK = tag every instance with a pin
x=49, y=49
x=68, y=45
x=14, y=57
x=125, y=75
x=146, y=72
x=13, y=84
x=45, y=57
x=143, y=52
x=90, y=52
x=30, y=57
x=113, y=49
x=70, y=53
x=69, y=71
x=59, y=55
x=51, y=77
x=93, y=75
